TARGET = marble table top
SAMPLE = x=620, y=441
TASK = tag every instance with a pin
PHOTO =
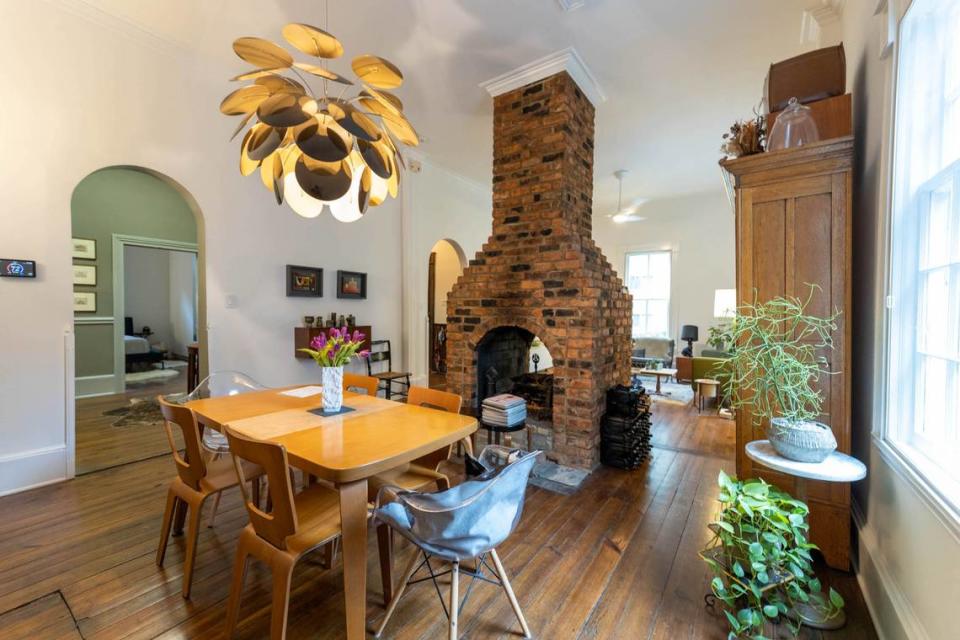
x=838, y=467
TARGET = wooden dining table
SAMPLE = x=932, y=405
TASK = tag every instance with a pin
x=345, y=450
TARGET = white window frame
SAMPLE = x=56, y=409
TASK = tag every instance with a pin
x=938, y=490
x=672, y=252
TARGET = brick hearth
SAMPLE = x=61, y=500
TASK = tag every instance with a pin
x=541, y=270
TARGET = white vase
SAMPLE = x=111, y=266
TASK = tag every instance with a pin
x=331, y=379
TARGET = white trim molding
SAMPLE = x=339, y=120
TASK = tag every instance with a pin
x=564, y=60
x=870, y=561
x=93, y=320
x=820, y=20
x=90, y=386
x=34, y=468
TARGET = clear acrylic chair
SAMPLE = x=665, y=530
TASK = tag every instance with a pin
x=216, y=385
x=462, y=523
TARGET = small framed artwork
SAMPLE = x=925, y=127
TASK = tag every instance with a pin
x=304, y=282
x=84, y=249
x=84, y=275
x=351, y=285
x=84, y=302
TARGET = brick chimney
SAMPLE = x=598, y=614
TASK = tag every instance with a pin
x=541, y=271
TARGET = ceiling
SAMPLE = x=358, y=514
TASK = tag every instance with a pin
x=676, y=73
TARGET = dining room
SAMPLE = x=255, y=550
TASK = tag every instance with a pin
x=352, y=319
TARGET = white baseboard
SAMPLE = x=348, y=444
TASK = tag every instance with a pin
x=881, y=591
x=89, y=386
x=28, y=469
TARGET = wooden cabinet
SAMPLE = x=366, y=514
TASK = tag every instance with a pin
x=684, y=368
x=793, y=227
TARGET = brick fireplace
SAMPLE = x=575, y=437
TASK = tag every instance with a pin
x=540, y=273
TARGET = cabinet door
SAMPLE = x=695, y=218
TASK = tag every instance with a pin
x=793, y=234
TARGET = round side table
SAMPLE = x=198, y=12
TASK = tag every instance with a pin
x=838, y=467
x=706, y=388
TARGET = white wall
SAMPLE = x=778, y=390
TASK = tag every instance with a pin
x=438, y=205
x=448, y=268
x=183, y=301
x=908, y=546
x=146, y=291
x=699, y=229
x=137, y=99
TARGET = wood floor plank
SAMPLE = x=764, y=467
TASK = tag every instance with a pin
x=615, y=560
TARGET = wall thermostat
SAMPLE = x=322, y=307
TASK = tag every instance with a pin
x=18, y=268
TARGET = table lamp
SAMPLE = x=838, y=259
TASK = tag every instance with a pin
x=690, y=333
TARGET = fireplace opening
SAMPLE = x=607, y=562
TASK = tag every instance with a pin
x=513, y=360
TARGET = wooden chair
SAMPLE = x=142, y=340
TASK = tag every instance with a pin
x=388, y=377
x=356, y=382
x=294, y=526
x=198, y=477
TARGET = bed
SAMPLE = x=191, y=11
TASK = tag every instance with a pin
x=137, y=349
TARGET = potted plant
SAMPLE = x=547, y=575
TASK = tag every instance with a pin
x=773, y=369
x=761, y=560
x=332, y=351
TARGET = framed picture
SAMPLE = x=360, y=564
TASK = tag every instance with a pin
x=84, y=302
x=305, y=282
x=352, y=284
x=84, y=249
x=84, y=275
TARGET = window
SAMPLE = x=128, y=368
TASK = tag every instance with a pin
x=648, y=279
x=923, y=419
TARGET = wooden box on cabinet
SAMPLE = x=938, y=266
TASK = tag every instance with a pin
x=793, y=228
x=303, y=335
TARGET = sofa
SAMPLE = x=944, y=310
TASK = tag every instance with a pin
x=647, y=351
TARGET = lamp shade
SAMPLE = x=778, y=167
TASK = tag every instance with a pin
x=724, y=303
x=689, y=332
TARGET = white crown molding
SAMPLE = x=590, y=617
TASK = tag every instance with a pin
x=817, y=17
x=124, y=26
x=564, y=60
x=570, y=5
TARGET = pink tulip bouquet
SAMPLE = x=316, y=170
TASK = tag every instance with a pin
x=334, y=349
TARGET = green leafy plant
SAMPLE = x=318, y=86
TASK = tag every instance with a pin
x=775, y=364
x=716, y=336
x=761, y=560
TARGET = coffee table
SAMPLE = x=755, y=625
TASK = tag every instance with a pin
x=659, y=374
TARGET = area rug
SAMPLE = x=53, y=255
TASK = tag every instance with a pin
x=140, y=412
x=151, y=376
x=676, y=393
x=557, y=477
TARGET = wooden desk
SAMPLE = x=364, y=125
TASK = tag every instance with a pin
x=345, y=450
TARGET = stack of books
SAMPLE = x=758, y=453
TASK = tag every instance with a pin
x=504, y=410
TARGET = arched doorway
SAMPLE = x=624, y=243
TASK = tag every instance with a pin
x=139, y=309
x=447, y=262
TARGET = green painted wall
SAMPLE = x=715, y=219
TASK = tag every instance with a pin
x=128, y=202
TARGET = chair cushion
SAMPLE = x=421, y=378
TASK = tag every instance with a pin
x=390, y=375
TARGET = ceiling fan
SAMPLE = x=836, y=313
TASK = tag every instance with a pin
x=625, y=214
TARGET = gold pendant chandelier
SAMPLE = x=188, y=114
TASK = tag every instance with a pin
x=317, y=149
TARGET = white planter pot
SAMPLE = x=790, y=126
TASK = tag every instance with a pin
x=801, y=441
x=331, y=379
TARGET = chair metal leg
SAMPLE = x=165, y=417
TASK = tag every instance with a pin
x=404, y=579
x=509, y=590
x=454, y=598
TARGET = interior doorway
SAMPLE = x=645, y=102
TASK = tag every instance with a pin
x=139, y=310
x=446, y=263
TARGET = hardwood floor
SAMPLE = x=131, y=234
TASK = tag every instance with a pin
x=101, y=445
x=616, y=560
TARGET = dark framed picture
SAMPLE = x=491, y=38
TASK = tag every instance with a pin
x=304, y=282
x=351, y=285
